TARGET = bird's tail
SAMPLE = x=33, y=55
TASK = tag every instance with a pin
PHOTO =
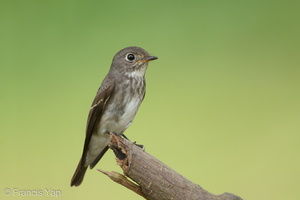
x=79, y=174
x=82, y=166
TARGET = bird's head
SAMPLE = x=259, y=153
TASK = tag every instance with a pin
x=131, y=61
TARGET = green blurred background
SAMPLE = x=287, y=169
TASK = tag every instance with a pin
x=222, y=104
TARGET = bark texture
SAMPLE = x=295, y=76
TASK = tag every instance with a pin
x=153, y=179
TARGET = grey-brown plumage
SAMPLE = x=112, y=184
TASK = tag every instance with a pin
x=115, y=105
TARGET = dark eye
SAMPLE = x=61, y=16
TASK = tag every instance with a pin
x=130, y=57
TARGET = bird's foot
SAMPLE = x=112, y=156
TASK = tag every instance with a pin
x=116, y=134
x=124, y=136
x=119, y=135
x=139, y=145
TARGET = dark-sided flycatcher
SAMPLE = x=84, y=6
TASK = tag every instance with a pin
x=115, y=105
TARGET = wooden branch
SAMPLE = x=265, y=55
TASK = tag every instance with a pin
x=153, y=179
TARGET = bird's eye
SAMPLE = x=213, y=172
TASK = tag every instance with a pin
x=130, y=57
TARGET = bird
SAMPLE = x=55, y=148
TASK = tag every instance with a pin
x=114, y=106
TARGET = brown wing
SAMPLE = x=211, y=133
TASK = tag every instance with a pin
x=95, y=113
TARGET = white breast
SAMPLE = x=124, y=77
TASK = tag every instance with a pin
x=130, y=111
x=119, y=124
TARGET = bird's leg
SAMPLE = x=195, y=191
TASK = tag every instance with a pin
x=118, y=134
x=124, y=136
x=139, y=145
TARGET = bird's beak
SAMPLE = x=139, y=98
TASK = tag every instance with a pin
x=148, y=59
